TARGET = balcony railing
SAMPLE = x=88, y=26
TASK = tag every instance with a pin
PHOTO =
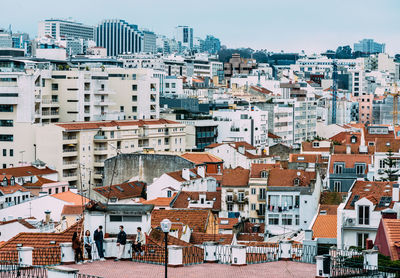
x=66, y=175
x=69, y=150
x=72, y=137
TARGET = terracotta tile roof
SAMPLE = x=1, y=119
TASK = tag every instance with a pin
x=329, y=209
x=159, y=202
x=250, y=237
x=257, y=168
x=72, y=210
x=325, y=226
x=213, y=145
x=237, y=177
x=71, y=197
x=39, y=183
x=201, y=158
x=126, y=190
x=354, y=149
x=345, y=137
x=350, y=160
x=26, y=171
x=273, y=136
x=98, y=125
x=286, y=177
x=183, y=198
x=196, y=219
x=227, y=223
x=177, y=175
x=21, y=221
x=262, y=90
x=371, y=137
x=309, y=158
x=200, y=238
x=392, y=231
x=384, y=145
x=308, y=147
x=157, y=237
x=373, y=191
x=9, y=189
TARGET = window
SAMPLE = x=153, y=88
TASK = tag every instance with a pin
x=134, y=98
x=134, y=87
x=6, y=108
x=338, y=168
x=166, y=85
x=253, y=191
x=11, y=152
x=359, y=169
x=159, y=142
x=286, y=219
x=241, y=207
x=6, y=137
x=264, y=174
x=362, y=239
x=241, y=196
x=49, y=191
x=287, y=201
x=262, y=194
x=4, y=152
x=315, y=144
x=296, y=182
x=54, y=87
x=297, y=201
x=273, y=219
x=56, y=190
x=6, y=123
x=363, y=215
x=337, y=186
x=169, y=193
x=230, y=207
x=253, y=206
x=115, y=218
x=229, y=198
x=297, y=217
x=134, y=108
x=173, y=85
x=121, y=109
x=261, y=209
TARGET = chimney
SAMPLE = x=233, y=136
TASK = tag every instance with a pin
x=241, y=149
x=308, y=235
x=186, y=174
x=395, y=192
x=201, y=171
x=348, y=149
x=47, y=219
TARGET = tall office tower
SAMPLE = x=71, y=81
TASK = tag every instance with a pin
x=212, y=44
x=5, y=39
x=184, y=36
x=149, y=41
x=369, y=46
x=61, y=29
x=118, y=37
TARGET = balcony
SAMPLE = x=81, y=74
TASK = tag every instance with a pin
x=70, y=164
x=50, y=103
x=50, y=114
x=100, y=137
x=101, y=150
x=99, y=163
x=261, y=198
x=98, y=175
x=70, y=152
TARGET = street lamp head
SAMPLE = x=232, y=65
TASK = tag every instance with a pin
x=166, y=225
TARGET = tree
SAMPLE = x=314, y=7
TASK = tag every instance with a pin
x=343, y=52
x=391, y=162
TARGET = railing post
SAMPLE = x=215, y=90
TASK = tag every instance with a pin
x=67, y=253
x=25, y=256
x=370, y=259
x=110, y=248
x=175, y=256
x=322, y=270
x=239, y=255
x=61, y=272
x=285, y=247
x=210, y=252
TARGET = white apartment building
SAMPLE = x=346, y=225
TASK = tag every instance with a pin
x=58, y=28
x=78, y=150
x=243, y=125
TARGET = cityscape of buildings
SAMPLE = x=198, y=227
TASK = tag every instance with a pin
x=115, y=125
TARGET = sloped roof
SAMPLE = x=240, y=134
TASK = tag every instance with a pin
x=20, y=221
x=72, y=210
x=200, y=238
x=308, y=147
x=273, y=136
x=227, y=223
x=237, y=177
x=71, y=197
x=39, y=183
x=201, y=158
x=159, y=202
x=392, y=231
x=183, y=198
x=308, y=158
x=9, y=189
x=286, y=177
x=196, y=219
x=26, y=171
x=325, y=226
x=122, y=191
x=386, y=144
x=177, y=175
x=257, y=168
x=350, y=160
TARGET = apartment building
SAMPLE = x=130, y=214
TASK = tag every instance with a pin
x=78, y=150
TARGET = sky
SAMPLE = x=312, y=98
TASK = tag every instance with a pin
x=290, y=25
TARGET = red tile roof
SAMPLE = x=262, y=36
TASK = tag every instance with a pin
x=98, y=125
x=354, y=149
x=308, y=158
x=9, y=189
x=325, y=226
x=250, y=237
x=201, y=158
x=196, y=219
x=257, y=168
x=373, y=191
x=350, y=160
x=227, y=223
x=26, y=171
x=386, y=144
x=237, y=177
x=273, y=136
x=200, y=238
x=21, y=221
x=71, y=197
x=126, y=190
x=286, y=177
x=177, y=175
x=39, y=183
x=159, y=202
x=371, y=137
x=184, y=197
x=392, y=231
x=72, y=210
x=328, y=209
x=308, y=147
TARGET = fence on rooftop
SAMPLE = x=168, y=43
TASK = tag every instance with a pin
x=151, y=253
x=192, y=255
x=269, y=252
x=46, y=255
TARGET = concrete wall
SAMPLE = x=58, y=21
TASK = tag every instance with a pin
x=145, y=167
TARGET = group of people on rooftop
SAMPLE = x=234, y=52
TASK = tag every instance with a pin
x=94, y=247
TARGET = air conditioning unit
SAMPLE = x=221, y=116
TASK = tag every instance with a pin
x=350, y=221
x=381, y=171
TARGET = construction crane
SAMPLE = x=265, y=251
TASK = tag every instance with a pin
x=395, y=94
x=334, y=90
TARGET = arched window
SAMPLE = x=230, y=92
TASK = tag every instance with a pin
x=264, y=174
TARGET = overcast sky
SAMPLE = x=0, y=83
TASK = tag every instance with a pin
x=290, y=25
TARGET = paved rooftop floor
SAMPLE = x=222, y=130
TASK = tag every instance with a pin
x=128, y=269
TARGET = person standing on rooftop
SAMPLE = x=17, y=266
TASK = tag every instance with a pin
x=98, y=239
x=121, y=241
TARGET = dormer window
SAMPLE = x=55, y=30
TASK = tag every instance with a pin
x=4, y=182
x=360, y=169
x=12, y=181
x=353, y=139
x=363, y=215
x=264, y=174
x=315, y=144
x=338, y=168
x=296, y=182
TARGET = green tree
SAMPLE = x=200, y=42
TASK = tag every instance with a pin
x=391, y=162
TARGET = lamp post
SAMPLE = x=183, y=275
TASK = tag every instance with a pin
x=166, y=227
